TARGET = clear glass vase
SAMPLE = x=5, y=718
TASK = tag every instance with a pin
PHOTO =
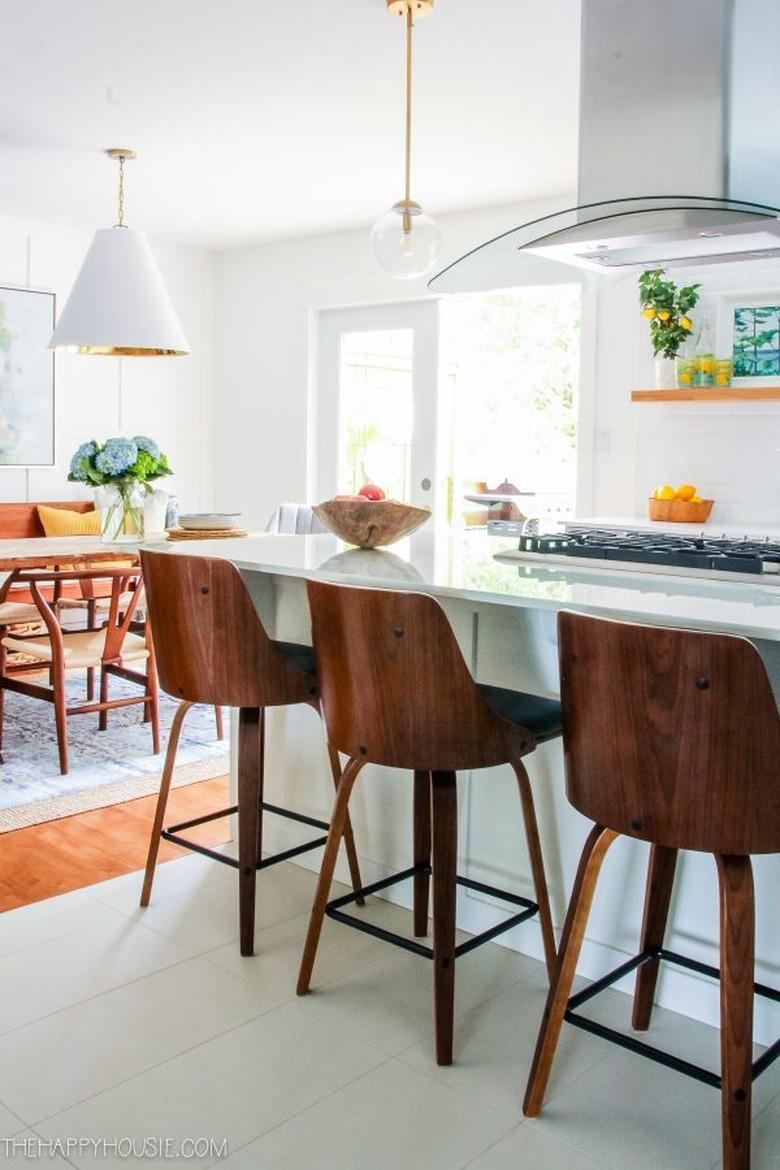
x=121, y=507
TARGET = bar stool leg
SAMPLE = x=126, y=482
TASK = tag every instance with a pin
x=349, y=838
x=219, y=721
x=737, y=934
x=537, y=866
x=251, y=737
x=591, y=859
x=162, y=801
x=422, y=851
x=444, y=838
x=335, y=833
x=658, y=894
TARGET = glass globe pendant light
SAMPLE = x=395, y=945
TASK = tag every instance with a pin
x=405, y=240
x=119, y=305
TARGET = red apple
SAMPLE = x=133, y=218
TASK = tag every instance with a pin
x=370, y=491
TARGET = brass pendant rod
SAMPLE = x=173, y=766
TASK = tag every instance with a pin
x=121, y=221
x=408, y=159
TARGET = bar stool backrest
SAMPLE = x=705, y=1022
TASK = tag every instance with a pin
x=210, y=644
x=671, y=736
x=394, y=687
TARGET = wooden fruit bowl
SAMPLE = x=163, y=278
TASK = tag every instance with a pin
x=680, y=511
x=370, y=523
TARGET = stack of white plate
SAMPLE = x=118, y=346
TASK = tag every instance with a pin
x=210, y=521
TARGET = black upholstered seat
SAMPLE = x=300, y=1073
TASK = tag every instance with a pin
x=301, y=657
x=539, y=715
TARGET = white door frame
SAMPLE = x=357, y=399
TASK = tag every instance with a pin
x=423, y=318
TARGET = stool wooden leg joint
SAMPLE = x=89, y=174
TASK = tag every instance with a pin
x=444, y=856
x=337, y=823
x=251, y=743
x=591, y=860
x=422, y=851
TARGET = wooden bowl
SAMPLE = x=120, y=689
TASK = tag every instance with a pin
x=680, y=511
x=370, y=523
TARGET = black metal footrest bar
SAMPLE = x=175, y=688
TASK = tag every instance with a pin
x=172, y=834
x=333, y=910
x=650, y=1051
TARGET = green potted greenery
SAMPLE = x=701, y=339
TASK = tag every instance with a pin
x=667, y=308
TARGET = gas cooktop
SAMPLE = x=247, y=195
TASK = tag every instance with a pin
x=696, y=556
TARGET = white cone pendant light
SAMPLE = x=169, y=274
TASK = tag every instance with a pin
x=119, y=304
x=405, y=240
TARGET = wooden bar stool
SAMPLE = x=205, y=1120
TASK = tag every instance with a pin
x=396, y=691
x=671, y=737
x=211, y=648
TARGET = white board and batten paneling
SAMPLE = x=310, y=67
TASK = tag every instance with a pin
x=170, y=399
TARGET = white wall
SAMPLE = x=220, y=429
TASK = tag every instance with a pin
x=170, y=399
x=731, y=451
x=267, y=298
x=266, y=304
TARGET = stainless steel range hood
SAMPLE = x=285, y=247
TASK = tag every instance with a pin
x=679, y=155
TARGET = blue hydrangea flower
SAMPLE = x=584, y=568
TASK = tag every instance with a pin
x=117, y=457
x=85, y=451
x=147, y=445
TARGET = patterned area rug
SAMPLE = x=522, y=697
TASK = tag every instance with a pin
x=106, y=767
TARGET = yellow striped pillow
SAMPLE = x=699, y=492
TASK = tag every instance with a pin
x=63, y=522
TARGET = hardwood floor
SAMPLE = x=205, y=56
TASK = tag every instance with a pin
x=77, y=851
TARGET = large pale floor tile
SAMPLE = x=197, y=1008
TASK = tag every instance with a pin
x=10, y=1123
x=51, y=918
x=62, y=971
x=54, y=1063
x=206, y=917
x=389, y=1002
x=183, y=874
x=766, y=1127
x=633, y=1114
x=236, y=1086
x=273, y=969
x=392, y=1118
x=495, y=1041
x=528, y=1149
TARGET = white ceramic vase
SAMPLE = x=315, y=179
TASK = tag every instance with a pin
x=155, y=508
x=665, y=376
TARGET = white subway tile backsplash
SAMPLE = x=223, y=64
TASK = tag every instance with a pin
x=731, y=452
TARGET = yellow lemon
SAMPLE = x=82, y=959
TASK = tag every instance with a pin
x=665, y=493
x=705, y=365
x=664, y=315
x=696, y=500
x=685, y=379
x=649, y=313
x=722, y=379
x=686, y=491
x=686, y=323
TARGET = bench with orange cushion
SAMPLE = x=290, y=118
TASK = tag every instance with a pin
x=19, y=521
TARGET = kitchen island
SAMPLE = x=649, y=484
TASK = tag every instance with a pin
x=504, y=616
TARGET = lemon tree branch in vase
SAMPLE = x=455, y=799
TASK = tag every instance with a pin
x=666, y=307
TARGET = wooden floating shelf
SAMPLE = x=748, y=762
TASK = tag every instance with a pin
x=710, y=394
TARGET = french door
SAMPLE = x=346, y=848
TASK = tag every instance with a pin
x=378, y=401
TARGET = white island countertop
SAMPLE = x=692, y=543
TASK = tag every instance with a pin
x=461, y=566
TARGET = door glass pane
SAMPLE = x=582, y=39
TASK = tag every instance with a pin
x=376, y=411
x=511, y=365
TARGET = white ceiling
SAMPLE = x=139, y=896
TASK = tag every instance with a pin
x=256, y=120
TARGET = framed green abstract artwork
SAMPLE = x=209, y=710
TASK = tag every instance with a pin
x=26, y=378
x=749, y=332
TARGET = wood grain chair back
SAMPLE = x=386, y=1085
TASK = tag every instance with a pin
x=394, y=687
x=671, y=736
x=210, y=644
